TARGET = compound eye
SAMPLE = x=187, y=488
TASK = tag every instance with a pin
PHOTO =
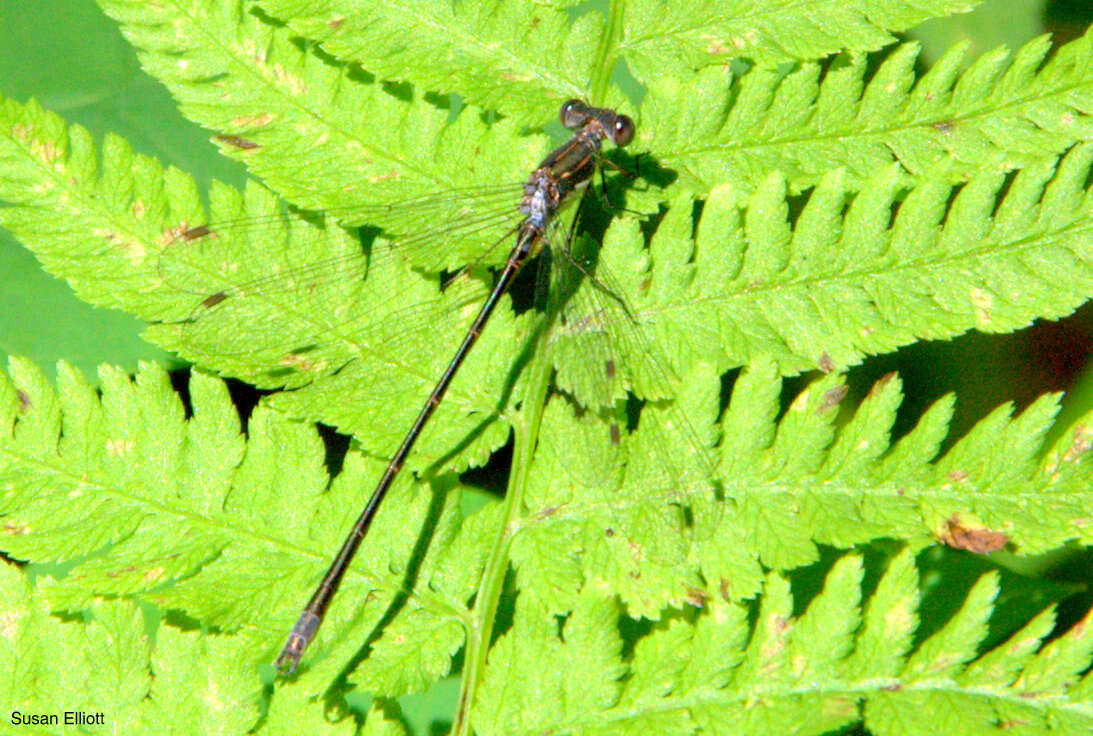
x=623, y=131
x=573, y=114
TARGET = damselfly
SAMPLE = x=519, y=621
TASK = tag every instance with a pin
x=556, y=182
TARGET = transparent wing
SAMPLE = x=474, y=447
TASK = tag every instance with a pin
x=442, y=232
x=284, y=299
x=608, y=364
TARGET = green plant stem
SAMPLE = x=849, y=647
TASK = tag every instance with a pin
x=497, y=562
x=606, y=52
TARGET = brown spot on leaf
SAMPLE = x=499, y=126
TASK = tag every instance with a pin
x=237, y=142
x=171, y=234
x=196, y=232
x=957, y=476
x=696, y=597
x=825, y=363
x=548, y=512
x=24, y=400
x=335, y=23
x=831, y=398
x=976, y=539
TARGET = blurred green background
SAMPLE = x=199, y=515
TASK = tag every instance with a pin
x=74, y=61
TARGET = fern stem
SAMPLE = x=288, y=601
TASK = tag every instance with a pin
x=606, y=56
x=526, y=431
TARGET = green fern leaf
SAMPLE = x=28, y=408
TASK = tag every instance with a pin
x=792, y=484
x=178, y=683
x=274, y=103
x=196, y=520
x=234, y=531
x=483, y=52
x=848, y=281
x=135, y=222
x=281, y=101
x=506, y=55
x=1003, y=112
x=713, y=671
x=679, y=517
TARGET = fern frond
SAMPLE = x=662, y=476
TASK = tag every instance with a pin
x=112, y=231
x=717, y=671
x=864, y=274
x=506, y=55
x=318, y=133
x=1003, y=112
x=99, y=229
x=790, y=484
x=713, y=668
x=842, y=282
x=189, y=515
x=689, y=36
x=325, y=140
x=496, y=55
x=183, y=683
x=848, y=484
